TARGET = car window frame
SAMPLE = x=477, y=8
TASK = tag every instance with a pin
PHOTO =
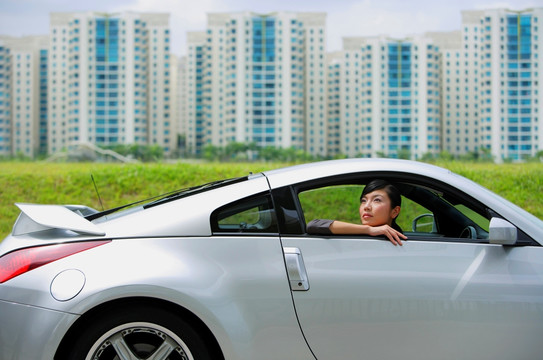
x=396, y=177
x=242, y=205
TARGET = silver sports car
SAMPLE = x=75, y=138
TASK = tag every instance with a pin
x=227, y=270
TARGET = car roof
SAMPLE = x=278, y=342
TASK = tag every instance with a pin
x=306, y=172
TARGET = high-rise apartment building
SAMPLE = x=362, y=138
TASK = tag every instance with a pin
x=259, y=79
x=110, y=81
x=389, y=97
x=491, y=84
x=511, y=49
x=23, y=115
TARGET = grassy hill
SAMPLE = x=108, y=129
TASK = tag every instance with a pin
x=122, y=183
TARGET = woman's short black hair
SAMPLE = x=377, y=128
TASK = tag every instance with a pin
x=391, y=190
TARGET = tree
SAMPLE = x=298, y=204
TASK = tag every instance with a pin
x=145, y=153
x=212, y=153
x=404, y=154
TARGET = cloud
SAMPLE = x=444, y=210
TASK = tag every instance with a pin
x=371, y=18
x=512, y=5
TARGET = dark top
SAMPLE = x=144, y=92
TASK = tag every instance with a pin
x=319, y=227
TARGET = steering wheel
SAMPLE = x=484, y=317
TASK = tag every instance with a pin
x=469, y=232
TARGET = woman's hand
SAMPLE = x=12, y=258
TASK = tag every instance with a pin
x=394, y=236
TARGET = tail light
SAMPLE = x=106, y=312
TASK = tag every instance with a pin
x=21, y=261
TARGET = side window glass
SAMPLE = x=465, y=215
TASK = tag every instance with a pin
x=416, y=218
x=250, y=215
x=476, y=218
x=342, y=202
x=339, y=202
x=470, y=225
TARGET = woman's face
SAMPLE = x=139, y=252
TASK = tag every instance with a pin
x=376, y=209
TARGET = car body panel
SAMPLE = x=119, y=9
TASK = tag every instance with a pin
x=423, y=300
x=237, y=287
x=31, y=332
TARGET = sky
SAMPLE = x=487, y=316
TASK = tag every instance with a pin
x=345, y=18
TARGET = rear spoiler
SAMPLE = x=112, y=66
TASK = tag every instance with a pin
x=35, y=217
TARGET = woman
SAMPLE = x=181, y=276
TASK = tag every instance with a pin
x=380, y=205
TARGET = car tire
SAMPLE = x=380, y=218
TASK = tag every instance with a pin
x=139, y=333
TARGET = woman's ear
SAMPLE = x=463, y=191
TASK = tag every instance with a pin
x=395, y=212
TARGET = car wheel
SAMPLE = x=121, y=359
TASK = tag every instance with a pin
x=139, y=333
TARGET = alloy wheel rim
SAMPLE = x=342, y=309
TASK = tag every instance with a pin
x=139, y=341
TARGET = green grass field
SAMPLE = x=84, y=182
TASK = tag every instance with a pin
x=118, y=184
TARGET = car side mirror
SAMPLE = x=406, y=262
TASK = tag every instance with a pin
x=424, y=223
x=502, y=232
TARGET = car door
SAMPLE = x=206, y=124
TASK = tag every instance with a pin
x=256, y=308
x=435, y=297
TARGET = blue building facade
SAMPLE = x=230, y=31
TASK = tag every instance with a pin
x=400, y=121
x=519, y=114
x=42, y=128
x=107, y=85
x=264, y=83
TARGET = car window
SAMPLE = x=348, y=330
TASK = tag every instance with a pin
x=450, y=214
x=339, y=202
x=250, y=215
x=477, y=218
x=415, y=217
x=342, y=202
x=424, y=213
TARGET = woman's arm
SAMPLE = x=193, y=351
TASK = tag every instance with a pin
x=319, y=227
x=340, y=227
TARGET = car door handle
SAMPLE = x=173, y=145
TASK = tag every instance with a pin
x=296, y=269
